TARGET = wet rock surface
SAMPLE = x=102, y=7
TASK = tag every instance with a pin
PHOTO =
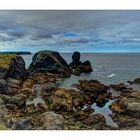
x=126, y=110
x=94, y=91
x=137, y=81
x=122, y=87
x=93, y=86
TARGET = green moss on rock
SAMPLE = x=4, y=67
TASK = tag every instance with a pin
x=5, y=60
x=12, y=66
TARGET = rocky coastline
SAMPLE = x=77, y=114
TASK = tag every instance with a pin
x=31, y=99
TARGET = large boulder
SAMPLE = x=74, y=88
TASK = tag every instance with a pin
x=137, y=81
x=94, y=91
x=126, y=111
x=49, y=61
x=128, y=104
x=87, y=67
x=93, y=86
x=12, y=66
x=78, y=67
x=51, y=121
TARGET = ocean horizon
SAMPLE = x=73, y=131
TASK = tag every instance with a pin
x=109, y=68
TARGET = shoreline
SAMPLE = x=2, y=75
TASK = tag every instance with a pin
x=33, y=100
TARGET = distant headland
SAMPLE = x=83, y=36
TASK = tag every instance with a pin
x=17, y=52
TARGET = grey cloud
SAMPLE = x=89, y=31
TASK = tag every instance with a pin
x=72, y=20
x=5, y=38
x=76, y=40
x=41, y=35
x=37, y=25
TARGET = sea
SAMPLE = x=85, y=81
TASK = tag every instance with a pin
x=108, y=68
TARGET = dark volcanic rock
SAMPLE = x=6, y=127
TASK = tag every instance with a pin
x=75, y=60
x=137, y=81
x=92, y=86
x=10, y=86
x=49, y=61
x=94, y=91
x=87, y=67
x=3, y=86
x=78, y=67
x=12, y=66
x=102, y=99
x=122, y=87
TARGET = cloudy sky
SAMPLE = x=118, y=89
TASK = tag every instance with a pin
x=68, y=31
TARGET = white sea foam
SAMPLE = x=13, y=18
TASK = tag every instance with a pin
x=95, y=70
x=111, y=75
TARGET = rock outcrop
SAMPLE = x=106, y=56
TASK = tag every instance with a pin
x=12, y=66
x=65, y=100
x=94, y=91
x=126, y=111
x=10, y=86
x=49, y=61
x=78, y=67
x=75, y=60
x=122, y=87
x=92, y=86
x=137, y=81
x=12, y=72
